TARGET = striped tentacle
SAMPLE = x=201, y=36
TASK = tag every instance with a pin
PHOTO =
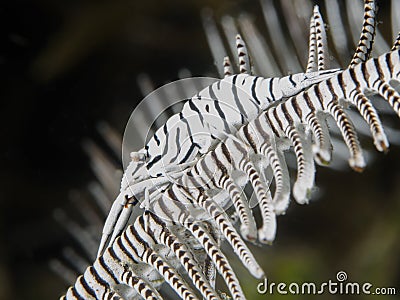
x=215, y=173
x=218, y=258
x=305, y=165
x=110, y=269
x=152, y=226
x=244, y=59
x=282, y=121
x=349, y=134
x=322, y=49
x=225, y=226
x=170, y=275
x=107, y=273
x=366, y=40
x=91, y=286
x=307, y=102
x=135, y=249
x=260, y=138
x=312, y=46
x=389, y=93
x=317, y=43
x=81, y=290
x=77, y=292
x=240, y=159
x=370, y=115
x=220, y=162
x=131, y=249
x=373, y=75
x=237, y=157
x=247, y=223
x=174, y=210
x=322, y=148
x=281, y=174
x=221, y=179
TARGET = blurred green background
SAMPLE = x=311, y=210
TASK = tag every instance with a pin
x=66, y=65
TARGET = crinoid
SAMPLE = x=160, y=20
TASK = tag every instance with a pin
x=186, y=188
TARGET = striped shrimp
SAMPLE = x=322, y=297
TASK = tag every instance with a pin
x=217, y=110
x=227, y=104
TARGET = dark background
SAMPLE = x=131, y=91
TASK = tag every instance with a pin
x=66, y=65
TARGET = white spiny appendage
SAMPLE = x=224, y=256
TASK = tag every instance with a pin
x=356, y=160
x=153, y=229
x=321, y=43
x=279, y=167
x=322, y=149
x=183, y=253
x=366, y=40
x=166, y=208
x=317, y=51
x=305, y=164
x=177, y=193
x=244, y=59
x=248, y=227
x=237, y=154
x=149, y=241
x=356, y=12
x=312, y=46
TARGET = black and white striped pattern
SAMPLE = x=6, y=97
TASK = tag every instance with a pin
x=225, y=104
x=148, y=242
x=222, y=107
x=219, y=109
x=291, y=120
x=317, y=43
x=364, y=47
x=255, y=139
